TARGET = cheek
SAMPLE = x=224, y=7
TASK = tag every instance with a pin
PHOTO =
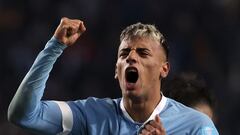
x=119, y=69
x=152, y=71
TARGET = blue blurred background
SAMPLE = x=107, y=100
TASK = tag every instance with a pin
x=203, y=35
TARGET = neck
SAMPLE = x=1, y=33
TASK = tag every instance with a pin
x=141, y=109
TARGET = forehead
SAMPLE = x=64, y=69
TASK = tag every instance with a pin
x=138, y=42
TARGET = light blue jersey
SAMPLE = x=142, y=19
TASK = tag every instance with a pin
x=92, y=116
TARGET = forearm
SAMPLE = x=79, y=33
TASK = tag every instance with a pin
x=26, y=101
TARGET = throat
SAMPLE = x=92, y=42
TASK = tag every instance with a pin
x=140, y=112
x=140, y=115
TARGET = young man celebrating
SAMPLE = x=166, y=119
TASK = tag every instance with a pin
x=141, y=65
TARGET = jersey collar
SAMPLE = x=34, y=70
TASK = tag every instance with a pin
x=156, y=111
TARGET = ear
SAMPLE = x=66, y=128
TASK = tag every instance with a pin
x=164, y=70
x=116, y=76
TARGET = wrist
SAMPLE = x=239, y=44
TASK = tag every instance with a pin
x=55, y=41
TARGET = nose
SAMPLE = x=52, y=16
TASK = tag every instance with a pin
x=132, y=57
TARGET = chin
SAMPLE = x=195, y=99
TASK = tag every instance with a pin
x=133, y=94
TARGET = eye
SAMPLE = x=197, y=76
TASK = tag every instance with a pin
x=143, y=52
x=123, y=54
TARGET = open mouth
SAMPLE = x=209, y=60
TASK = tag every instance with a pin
x=131, y=74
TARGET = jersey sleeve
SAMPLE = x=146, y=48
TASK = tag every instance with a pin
x=26, y=108
x=206, y=126
x=207, y=130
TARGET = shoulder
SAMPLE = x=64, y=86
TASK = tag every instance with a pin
x=177, y=107
x=186, y=114
x=174, y=107
x=98, y=101
x=188, y=117
x=96, y=104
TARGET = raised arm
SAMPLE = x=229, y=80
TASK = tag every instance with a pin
x=26, y=108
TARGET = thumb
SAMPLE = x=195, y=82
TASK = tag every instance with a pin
x=157, y=118
x=82, y=27
x=161, y=129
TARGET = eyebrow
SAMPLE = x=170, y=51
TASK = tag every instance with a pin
x=125, y=50
x=138, y=49
x=143, y=49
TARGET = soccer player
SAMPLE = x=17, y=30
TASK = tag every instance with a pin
x=141, y=65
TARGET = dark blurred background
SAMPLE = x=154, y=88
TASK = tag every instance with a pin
x=204, y=36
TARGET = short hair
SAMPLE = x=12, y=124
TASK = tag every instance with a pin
x=189, y=89
x=145, y=30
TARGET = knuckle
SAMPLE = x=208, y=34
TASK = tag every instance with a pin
x=148, y=127
x=144, y=131
x=64, y=20
x=80, y=21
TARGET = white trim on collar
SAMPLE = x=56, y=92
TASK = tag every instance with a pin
x=156, y=111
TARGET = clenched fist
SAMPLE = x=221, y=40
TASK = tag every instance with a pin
x=69, y=30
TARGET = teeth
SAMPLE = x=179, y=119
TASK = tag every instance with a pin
x=131, y=70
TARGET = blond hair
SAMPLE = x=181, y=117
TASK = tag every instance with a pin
x=144, y=30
